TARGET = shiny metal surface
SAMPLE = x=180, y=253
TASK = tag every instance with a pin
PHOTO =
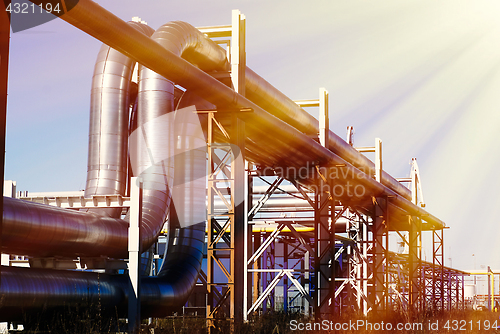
x=26, y=291
x=154, y=146
x=189, y=188
x=109, y=115
x=278, y=104
x=42, y=230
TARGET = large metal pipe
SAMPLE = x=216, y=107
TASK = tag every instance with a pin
x=275, y=102
x=154, y=141
x=108, y=130
x=41, y=230
x=28, y=291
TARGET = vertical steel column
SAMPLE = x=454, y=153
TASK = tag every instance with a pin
x=271, y=256
x=364, y=243
x=256, y=275
x=211, y=305
x=437, y=270
x=220, y=232
x=238, y=67
x=238, y=53
x=134, y=251
x=415, y=251
x=4, y=74
x=240, y=242
x=265, y=265
x=462, y=298
x=307, y=282
x=414, y=265
x=324, y=256
x=380, y=235
x=285, y=279
x=324, y=119
x=491, y=290
x=379, y=255
x=250, y=276
x=324, y=226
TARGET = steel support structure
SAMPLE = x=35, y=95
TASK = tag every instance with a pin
x=359, y=231
x=226, y=227
x=324, y=249
x=438, y=277
x=274, y=259
x=380, y=240
x=379, y=255
x=414, y=266
x=229, y=299
x=415, y=246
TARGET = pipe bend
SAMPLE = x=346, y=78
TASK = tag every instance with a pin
x=108, y=130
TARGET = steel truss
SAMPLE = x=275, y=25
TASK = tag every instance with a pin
x=226, y=227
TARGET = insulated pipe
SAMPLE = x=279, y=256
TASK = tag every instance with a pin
x=152, y=143
x=27, y=291
x=108, y=131
x=42, y=231
x=189, y=190
x=278, y=104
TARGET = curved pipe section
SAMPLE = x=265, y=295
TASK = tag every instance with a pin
x=108, y=131
x=154, y=139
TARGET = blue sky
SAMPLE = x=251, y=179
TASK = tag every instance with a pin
x=421, y=75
